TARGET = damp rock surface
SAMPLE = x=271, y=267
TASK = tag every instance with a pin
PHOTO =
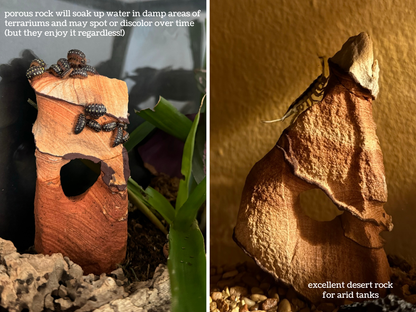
x=34, y=282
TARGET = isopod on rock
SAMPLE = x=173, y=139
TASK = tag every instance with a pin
x=38, y=62
x=76, y=58
x=126, y=137
x=79, y=73
x=55, y=70
x=63, y=64
x=95, y=110
x=109, y=126
x=66, y=73
x=34, y=71
x=94, y=125
x=119, y=137
x=90, y=70
x=80, y=124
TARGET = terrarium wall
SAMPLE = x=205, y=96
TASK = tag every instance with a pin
x=263, y=56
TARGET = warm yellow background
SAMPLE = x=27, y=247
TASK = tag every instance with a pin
x=264, y=54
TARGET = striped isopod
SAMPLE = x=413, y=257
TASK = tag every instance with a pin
x=38, y=62
x=90, y=70
x=95, y=110
x=66, y=73
x=55, y=70
x=122, y=125
x=75, y=53
x=119, y=137
x=79, y=73
x=80, y=124
x=126, y=137
x=63, y=64
x=34, y=71
x=76, y=58
x=94, y=125
x=109, y=126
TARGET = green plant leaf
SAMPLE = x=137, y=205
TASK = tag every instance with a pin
x=187, y=214
x=166, y=117
x=198, y=165
x=203, y=98
x=140, y=133
x=145, y=210
x=186, y=264
x=154, y=199
x=186, y=168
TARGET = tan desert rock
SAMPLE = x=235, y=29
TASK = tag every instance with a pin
x=357, y=59
x=29, y=280
x=38, y=282
x=332, y=146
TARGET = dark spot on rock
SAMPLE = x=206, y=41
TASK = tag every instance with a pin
x=65, y=277
x=40, y=287
x=81, y=286
x=71, y=296
x=21, y=289
x=30, y=279
x=55, y=294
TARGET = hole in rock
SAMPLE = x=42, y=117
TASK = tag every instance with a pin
x=318, y=206
x=77, y=176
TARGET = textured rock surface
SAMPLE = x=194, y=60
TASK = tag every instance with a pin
x=62, y=100
x=55, y=283
x=112, y=92
x=332, y=146
x=90, y=228
x=357, y=59
x=152, y=296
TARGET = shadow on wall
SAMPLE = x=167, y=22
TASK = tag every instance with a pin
x=17, y=159
x=178, y=85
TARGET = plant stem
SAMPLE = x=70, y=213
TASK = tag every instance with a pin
x=146, y=211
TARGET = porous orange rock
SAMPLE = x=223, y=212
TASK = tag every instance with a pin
x=332, y=146
x=91, y=229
